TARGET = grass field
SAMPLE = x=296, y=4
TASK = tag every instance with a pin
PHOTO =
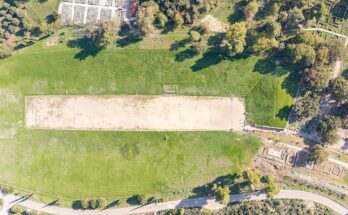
x=90, y=164
x=114, y=164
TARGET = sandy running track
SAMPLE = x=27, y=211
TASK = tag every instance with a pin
x=135, y=113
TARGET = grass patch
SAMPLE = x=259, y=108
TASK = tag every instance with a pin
x=120, y=164
x=39, y=9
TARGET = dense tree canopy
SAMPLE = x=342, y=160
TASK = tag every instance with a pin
x=306, y=107
x=327, y=128
x=317, y=78
x=234, y=40
x=146, y=16
x=318, y=154
x=301, y=54
x=340, y=89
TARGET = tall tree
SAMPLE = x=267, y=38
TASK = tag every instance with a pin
x=301, y=54
x=251, y=9
x=317, y=78
x=146, y=17
x=318, y=154
x=306, y=107
x=328, y=129
x=234, y=40
x=340, y=89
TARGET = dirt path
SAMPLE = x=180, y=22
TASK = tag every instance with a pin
x=208, y=203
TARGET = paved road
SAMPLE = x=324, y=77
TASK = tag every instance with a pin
x=209, y=203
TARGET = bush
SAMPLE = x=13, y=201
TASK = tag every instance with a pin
x=6, y=189
x=101, y=203
x=16, y=209
x=84, y=204
x=92, y=204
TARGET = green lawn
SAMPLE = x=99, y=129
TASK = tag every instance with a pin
x=75, y=164
x=39, y=9
x=120, y=164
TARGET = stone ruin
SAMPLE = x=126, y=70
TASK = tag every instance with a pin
x=81, y=12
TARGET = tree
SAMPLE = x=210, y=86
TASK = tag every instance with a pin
x=92, y=204
x=198, y=47
x=306, y=107
x=251, y=176
x=328, y=129
x=274, y=9
x=146, y=17
x=162, y=20
x=222, y=194
x=178, y=20
x=317, y=78
x=272, y=188
x=234, y=40
x=17, y=209
x=317, y=154
x=272, y=28
x=340, y=89
x=293, y=19
x=101, y=203
x=103, y=34
x=262, y=43
x=318, y=11
x=301, y=54
x=195, y=36
x=5, y=50
x=337, y=51
x=84, y=204
x=323, y=55
x=251, y=9
x=109, y=32
x=309, y=38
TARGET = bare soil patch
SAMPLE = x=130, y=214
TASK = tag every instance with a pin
x=213, y=25
x=134, y=113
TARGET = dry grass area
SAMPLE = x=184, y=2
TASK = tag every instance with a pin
x=134, y=113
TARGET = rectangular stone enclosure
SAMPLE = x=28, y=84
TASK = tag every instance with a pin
x=137, y=113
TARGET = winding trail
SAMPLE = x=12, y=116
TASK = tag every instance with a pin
x=209, y=203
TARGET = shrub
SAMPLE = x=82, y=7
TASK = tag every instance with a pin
x=6, y=189
x=101, y=203
x=16, y=209
x=84, y=204
x=222, y=194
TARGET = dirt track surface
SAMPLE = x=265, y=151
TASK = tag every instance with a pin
x=134, y=113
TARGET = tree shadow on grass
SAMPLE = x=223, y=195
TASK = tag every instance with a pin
x=53, y=203
x=87, y=48
x=265, y=66
x=186, y=54
x=112, y=204
x=179, y=44
x=238, y=14
x=209, y=58
x=291, y=82
x=284, y=113
x=128, y=40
